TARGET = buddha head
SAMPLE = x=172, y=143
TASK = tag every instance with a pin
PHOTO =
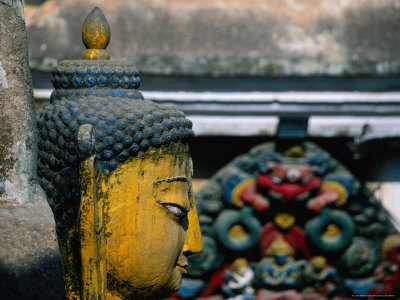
x=152, y=223
x=117, y=172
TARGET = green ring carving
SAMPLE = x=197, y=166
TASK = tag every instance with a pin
x=316, y=227
x=227, y=219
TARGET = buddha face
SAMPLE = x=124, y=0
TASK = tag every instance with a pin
x=152, y=225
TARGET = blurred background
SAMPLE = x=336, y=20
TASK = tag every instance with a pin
x=247, y=72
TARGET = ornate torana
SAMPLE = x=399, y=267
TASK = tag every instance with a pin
x=117, y=174
x=291, y=225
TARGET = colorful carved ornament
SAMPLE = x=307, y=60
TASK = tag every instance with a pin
x=303, y=225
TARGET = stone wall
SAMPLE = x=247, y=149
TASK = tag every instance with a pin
x=229, y=37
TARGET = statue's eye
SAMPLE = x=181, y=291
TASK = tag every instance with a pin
x=176, y=210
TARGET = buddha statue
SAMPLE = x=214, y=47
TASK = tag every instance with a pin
x=117, y=173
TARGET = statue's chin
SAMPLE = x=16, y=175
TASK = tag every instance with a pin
x=157, y=291
x=171, y=287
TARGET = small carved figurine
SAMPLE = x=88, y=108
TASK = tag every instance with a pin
x=283, y=227
x=280, y=269
x=320, y=278
x=238, y=281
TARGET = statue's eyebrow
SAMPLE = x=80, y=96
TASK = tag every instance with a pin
x=168, y=180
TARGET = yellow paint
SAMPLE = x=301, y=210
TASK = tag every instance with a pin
x=95, y=54
x=96, y=35
x=388, y=243
x=69, y=263
x=236, y=201
x=146, y=244
x=86, y=231
x=96, y=31
x=319, y=261
x=237, y=232
x=295, y=151
x=93, y=274
x=284, y=221
x=193, y=243
x=83, y=277
x=332, y=231
x=338, y=188
x=280, y=247
x=130, y=237
x=239, y=263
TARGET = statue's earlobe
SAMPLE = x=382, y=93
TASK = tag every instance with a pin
x=91, y=233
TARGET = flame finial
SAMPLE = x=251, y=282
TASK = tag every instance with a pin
x=96, y=35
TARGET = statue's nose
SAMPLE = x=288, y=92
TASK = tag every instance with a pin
x=193, y=243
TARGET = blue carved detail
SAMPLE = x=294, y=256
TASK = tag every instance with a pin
x=89, y=81
x=114, y=81
x=102, y=81
x=119, y=93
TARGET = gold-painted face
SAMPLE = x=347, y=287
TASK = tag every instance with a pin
x=152, y=225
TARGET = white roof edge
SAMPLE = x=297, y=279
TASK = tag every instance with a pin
x=309, y=97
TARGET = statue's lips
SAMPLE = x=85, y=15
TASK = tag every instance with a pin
x=182, y=269
x=181, y=264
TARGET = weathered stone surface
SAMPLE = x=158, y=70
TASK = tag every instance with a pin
x=16, y=4
x=17, y=120
x=229, y=37
x=29, y=258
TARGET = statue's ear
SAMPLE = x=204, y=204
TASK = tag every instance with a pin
x=91, y=235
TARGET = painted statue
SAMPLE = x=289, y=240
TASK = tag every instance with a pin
x=238, y=280
x=320, y=279
x=117, y=173
x=279, y=269
x=302, y=221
